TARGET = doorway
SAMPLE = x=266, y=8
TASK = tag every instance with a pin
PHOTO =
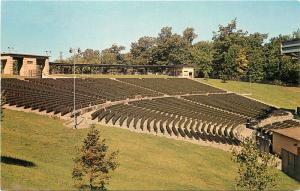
x=17, y=65
x=3, y=63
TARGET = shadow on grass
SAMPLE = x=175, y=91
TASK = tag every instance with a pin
x=15, y=161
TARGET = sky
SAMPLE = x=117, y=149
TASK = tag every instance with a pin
x=38, y=26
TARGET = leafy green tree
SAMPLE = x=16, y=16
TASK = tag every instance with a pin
x=112, y=55
x=90, y=56
x=256, y=57
x=256, y=170
x=226, y=41
x=280, y=67
x=235, y=62
x=202, y=53
x=172, y=48
x=141, y=50
x=94, y=163
x=255, y=68
x=189, y=35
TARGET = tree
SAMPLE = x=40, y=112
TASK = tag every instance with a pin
x=141, y=50
x=256, y=57
x=235, y=62
x=227, y=37
x=202, y=53
x=112, y=55
x=172, y=49
x=189, y=35
x=255, y=70
x=256, y=170
x=90, y=56
x=94, y=163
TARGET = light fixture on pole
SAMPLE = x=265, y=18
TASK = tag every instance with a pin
x=10, y=49
x=74, y=51
x=48, y=52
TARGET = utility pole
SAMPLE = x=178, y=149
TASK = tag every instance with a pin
x=60, y=57
x=74, y=51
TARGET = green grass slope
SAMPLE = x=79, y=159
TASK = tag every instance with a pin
x=284, y=97
x=146, y=161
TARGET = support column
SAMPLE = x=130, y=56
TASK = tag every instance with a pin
x=8, y=69
x=28, y=67
x=46, y=68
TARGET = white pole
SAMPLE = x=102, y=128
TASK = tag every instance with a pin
x=74, y=76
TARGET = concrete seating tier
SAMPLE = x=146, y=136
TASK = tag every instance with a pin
x=173, y=86
x=233, y=103
x=56, y=95
x=174, y=117
x=266, y=130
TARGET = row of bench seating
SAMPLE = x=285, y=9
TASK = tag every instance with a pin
x=166, y=116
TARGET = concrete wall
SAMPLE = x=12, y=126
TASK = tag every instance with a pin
x=46, y=67
x=289, y=144
x=29, y=67
x=8, y=69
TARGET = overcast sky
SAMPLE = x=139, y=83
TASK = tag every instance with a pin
x=34, y=27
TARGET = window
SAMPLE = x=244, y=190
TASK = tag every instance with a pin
x=29, y=62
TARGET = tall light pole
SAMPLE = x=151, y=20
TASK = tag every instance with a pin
x=74, y=51
x=48, y=52
x=10, y=49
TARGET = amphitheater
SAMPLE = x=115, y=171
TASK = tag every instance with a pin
x=177, y=108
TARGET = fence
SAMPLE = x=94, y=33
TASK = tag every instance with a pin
x=291, y=164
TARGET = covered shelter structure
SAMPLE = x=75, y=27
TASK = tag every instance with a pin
x=27, y=65
x=172, y=70
x=291, y=47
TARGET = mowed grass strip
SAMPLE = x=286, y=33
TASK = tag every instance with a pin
x=280, y=96
x=146, y=161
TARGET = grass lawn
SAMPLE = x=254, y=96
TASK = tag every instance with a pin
x=9, y=76
x=146, y=161
x=284, y=97
x=111, y=76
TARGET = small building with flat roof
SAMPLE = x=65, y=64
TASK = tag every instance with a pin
x=286, y=143
x=26, y=65
x=287, y=139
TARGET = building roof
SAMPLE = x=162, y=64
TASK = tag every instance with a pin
x=293, y=132
x=121, y=65
x=17, y=55
x=292, y=41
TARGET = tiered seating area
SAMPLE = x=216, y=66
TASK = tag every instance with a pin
x=175, y=117
x=266, y=130
x=201, y=113
x=173, y=86
x=56, y=95
x=233, y=103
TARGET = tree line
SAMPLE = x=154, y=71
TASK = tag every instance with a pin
x=232, y=54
